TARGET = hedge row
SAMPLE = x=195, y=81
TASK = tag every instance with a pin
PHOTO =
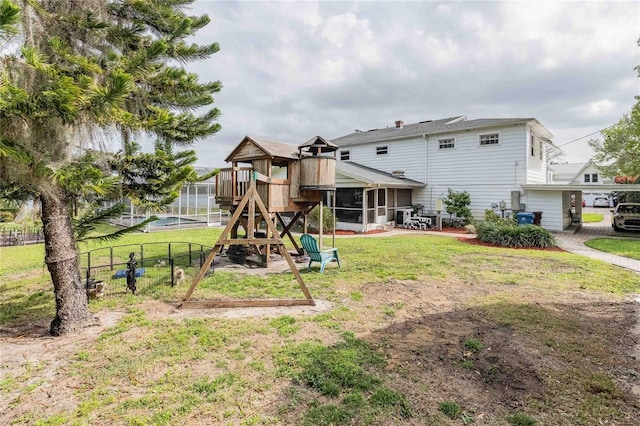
x=508, y=235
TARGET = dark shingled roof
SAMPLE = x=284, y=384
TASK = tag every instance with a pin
x=430, y=127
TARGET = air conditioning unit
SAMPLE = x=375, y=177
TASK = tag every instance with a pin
x=402, y=216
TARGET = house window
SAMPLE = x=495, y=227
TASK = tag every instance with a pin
x=533, y=146
x=446, y=143
x=587, y=177
x=541, y=148
x=594, y=178
x=345, y=155
x=490, y=139
x=382, y=150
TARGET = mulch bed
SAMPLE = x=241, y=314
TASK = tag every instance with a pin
x=477, y=242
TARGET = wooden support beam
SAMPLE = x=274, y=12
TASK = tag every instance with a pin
x=251, y=303
x=250, y=201
x=203, y=270
x=286, y=230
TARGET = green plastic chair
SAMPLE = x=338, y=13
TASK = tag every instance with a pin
x=316, y=255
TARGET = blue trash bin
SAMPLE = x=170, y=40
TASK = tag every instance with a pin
x=525, y=218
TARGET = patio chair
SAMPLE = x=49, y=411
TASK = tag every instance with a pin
x=316, y=255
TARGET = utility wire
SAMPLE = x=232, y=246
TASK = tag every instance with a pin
x=586, y=136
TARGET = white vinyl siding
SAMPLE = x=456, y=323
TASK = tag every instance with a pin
x=482, y=196
x=407, y=155
x=489, y=175
x=551, y=204
x=466, y=165
x=536, y=166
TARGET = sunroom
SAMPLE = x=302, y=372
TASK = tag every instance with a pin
x=367, y=199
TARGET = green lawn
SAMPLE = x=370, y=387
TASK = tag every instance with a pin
x=408, y=313
x=626, y=247
x=592, y=217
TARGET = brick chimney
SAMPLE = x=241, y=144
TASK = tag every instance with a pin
x=399, y=124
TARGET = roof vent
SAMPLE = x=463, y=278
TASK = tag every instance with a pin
x=399, y=124
x=398, y=174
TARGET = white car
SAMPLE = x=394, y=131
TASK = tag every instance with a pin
x=626, y=217
x=601, y=202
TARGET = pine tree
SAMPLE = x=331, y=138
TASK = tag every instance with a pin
x=87, y=71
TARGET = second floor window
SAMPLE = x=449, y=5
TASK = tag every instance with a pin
x=345, y=155
x=446, y=143
x=382, y=150
x=594, y=177
x=533, y=146
x=587, y=177
x=490, y=139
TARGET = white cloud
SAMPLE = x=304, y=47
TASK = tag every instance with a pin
x=349, y=36
x=292, y=70
x=603, y=106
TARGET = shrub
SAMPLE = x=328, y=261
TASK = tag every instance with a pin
x=458, y=204
x=6, y=216
x=328, y=220
x=510, y=235
x=493, y=217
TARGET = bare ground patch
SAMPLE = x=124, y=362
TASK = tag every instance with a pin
x=585, y=360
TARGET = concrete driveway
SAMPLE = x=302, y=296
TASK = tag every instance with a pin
x=574, y=241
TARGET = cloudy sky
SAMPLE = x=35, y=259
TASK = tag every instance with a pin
x=293, y=70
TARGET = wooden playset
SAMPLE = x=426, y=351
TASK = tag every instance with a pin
x=280, y=180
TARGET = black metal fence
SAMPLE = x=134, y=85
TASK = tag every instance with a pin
x=156, y=265
x=17, y=236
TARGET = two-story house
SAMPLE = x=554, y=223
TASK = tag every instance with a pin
x=381, y=174
x=582, y=174
x=491, y=159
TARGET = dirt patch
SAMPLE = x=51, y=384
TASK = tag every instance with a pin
x=515, y=370
x=422, y=327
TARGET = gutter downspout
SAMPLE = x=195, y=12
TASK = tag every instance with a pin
x=426, y=169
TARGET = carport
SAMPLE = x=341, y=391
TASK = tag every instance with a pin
x=557, y=202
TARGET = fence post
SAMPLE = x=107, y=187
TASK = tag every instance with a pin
x=170, y=253
x=88, y=266
x=190, y=261
x=142, y=253
x=111, y=257
x=173, y=281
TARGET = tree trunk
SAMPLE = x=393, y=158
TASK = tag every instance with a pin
x=61, y=257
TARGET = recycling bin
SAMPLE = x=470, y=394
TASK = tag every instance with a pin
x=525, y=218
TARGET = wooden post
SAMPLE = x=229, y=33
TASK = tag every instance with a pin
x=320, y=227
x=333, y=241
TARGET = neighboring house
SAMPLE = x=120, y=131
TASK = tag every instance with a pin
x=416, y=164
x=581, y=174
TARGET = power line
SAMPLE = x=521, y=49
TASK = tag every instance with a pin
x=586, y=136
